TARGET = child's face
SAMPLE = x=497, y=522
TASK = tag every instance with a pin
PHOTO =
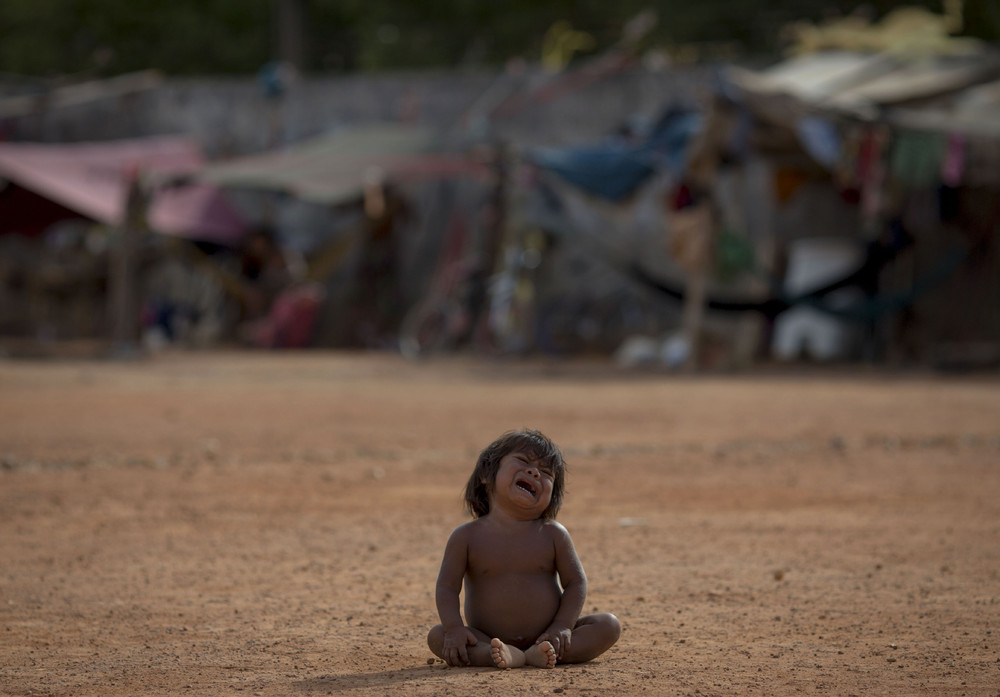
x=523, y=485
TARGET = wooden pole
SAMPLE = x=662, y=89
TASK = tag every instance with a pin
x=123, y=277
x=694, y=315
x=699, y=267
x=290, y=17
x=691, y=244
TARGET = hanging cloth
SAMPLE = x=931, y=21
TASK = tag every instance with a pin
x=916, y=158
x=982, y=162
x=871, y=172
x=953, y=165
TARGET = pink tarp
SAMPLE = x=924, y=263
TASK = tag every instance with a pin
x=92, y=179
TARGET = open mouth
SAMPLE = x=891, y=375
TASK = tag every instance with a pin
x=525, y=485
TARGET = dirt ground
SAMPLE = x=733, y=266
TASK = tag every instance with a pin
x=214, y=524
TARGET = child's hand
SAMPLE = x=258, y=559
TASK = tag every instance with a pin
x=455, y=643
x=559, y=636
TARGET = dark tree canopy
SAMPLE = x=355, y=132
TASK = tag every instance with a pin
x=51, y=38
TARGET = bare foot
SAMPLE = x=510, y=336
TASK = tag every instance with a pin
x=505, y=656
x=541, y=655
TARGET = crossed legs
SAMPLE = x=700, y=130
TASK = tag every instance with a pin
x=592, y=636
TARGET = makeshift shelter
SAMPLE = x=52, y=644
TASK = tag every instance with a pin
x=846, y=200
x=577, y=217
x=91, y=180
x=616, y=169
x=393, y=188
x=334, y=167
x=882, y=173
x=71, y=222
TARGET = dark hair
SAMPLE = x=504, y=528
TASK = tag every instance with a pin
x=530, y=442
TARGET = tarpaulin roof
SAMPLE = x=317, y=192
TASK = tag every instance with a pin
x=810, y=97
x=976, y=112
x=616, y=169
x=874, y=85
x=334, y=167
x=93, y=179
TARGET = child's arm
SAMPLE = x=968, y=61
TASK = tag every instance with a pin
x=449, y=584
x=574, y=584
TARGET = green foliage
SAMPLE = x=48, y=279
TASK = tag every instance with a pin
x=81, y=37
x=59, y=37
x=982, y=19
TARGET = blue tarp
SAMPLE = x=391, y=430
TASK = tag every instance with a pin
x=616, y=169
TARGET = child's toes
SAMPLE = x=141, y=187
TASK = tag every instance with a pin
x=550, y=657
x=542, y=655
x=500, y=654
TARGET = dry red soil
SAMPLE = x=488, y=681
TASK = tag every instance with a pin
x=216, y=524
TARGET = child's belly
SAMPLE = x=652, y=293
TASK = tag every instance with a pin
x=515, y=607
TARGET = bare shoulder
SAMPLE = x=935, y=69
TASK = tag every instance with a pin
x=456, y=558
x=557, y=530
x=567, y=562
x=464, y=531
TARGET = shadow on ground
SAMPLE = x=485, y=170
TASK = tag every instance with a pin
x=352, y=681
